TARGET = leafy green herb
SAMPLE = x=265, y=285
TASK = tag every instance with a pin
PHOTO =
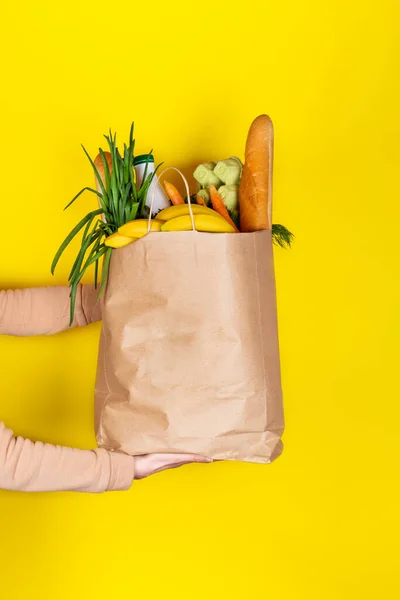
x=281, y=236
x=120, y=201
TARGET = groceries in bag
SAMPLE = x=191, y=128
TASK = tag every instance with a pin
x=241, y=194
x=189, y=358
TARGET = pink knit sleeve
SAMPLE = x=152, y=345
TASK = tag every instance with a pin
x=35, y=467
x=45, y=311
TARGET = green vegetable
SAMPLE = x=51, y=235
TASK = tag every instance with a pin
x=204, y=174
x=120, y=202
x=229, y=171
x=281, y=236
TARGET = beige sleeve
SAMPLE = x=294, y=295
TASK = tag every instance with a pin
x=35, y=467
x=45, y=311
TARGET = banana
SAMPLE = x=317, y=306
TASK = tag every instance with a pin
x=179, y=210
x=138, y=228
x=116, y=240
x=203, y=222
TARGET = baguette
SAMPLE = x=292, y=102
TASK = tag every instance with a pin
x=255, y=190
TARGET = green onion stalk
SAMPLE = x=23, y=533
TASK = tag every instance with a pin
x=120, y=201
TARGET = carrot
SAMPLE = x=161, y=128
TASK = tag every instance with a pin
x=219, y=206
x=200, y=200
x=173, y=193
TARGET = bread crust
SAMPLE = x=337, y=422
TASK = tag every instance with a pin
x=255, y=190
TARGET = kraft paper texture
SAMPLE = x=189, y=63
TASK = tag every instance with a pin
x=189, y=358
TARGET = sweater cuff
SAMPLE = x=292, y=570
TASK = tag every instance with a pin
x=122, y=471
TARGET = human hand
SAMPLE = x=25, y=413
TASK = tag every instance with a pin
x=148, y=464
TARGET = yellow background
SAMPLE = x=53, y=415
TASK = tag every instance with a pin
x=321, y=522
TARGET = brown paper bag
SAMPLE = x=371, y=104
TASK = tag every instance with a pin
x=189, y=356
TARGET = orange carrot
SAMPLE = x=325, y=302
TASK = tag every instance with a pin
x=219, y=206
x=173, y=193
x=200, y=200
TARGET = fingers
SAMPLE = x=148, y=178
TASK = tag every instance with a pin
x=173, y=461
x=149, y=464
x=189, y=458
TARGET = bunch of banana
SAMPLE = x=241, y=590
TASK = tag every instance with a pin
x=173, y=218
x=177, y=218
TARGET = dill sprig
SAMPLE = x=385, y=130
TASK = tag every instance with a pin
x=281, y=236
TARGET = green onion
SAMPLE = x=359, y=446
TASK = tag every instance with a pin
x=120, y=201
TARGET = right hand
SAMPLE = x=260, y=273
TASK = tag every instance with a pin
x=148, y=464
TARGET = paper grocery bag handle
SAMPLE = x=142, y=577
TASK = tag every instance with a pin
x=153, y=195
